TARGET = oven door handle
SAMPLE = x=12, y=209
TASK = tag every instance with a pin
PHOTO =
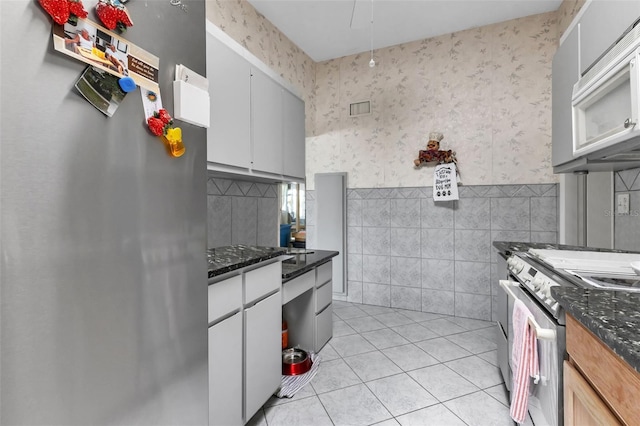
x=541, y=333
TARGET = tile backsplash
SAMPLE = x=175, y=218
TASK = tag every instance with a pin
x=627, y=226
x=406, y=251
x=241, y=212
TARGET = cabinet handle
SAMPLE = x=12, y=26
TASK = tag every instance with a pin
x=628, y=123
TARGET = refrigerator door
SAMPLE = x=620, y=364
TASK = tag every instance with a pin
x=103, y=289
x=331, y=222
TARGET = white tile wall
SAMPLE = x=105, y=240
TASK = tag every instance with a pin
x=405, y=251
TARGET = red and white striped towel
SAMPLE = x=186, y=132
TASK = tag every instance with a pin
x=524, y=358
x=292, y=384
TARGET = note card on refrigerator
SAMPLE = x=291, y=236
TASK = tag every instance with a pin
x=191, y=97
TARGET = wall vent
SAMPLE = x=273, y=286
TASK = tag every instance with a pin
x=359, y=108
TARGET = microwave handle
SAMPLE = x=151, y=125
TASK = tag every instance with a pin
x=633, y=76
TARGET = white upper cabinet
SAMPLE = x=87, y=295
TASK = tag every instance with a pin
x=266, y=122
x=229, y=136
x=565, y=72
x=294, y=135
x=602, y=23
x=595, y=29
x=257, y=123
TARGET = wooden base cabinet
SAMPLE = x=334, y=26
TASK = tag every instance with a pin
x=225, y=372
x=600, y=388
x=582, y=405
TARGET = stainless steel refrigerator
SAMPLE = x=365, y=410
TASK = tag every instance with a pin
x=103, y=303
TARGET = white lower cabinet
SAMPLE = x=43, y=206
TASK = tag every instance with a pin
x=263, y=352
x=225, y=372
x=307, y=307
x=245, y=356
x=324, y=327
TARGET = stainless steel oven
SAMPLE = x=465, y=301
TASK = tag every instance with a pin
x=531, y=282
x=529, y=275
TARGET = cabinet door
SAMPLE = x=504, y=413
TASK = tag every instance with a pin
x=225, y=372
x=266, y=123
x=229, y=135
x=582, y=405
x=602, y=24
x=565, y=74
x=324, y=327
x=263, y=352
x=294, y=136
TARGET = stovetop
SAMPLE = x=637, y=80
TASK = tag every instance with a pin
x=539, y=267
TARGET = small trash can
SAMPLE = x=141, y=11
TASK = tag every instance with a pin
x=285, y=234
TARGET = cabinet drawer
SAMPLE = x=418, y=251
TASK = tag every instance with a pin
x=617, y=383
x=324, y=327
x=582, y=405
x=297, y=286
x=324, y=273
x=224, y=297
x=261, y=281
x=323, y=296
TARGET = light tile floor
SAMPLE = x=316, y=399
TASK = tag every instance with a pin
x=388, y=366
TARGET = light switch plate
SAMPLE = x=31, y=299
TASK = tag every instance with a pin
x=623, y=204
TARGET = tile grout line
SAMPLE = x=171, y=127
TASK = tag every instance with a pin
x=412, y=321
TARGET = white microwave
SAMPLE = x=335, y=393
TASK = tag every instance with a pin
x=605, y=100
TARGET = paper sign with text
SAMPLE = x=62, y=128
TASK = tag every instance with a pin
x=445, y=183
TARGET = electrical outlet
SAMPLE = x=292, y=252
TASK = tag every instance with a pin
x=623, y=204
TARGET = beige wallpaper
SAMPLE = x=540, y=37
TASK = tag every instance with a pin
x=566, y=12
x=487, y=89
x=244, y=24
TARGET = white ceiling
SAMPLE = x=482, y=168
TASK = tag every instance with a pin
x=327, y=29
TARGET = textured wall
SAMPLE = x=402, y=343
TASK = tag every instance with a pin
x=242, y=212
x=252, y=30
x=405, y=251
x=487, y=89
x=627, y=227
x=566, y=12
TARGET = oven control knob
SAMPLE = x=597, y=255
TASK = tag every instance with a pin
x=555, y=307
x=537, y=282
x=518, y=266
x=542, y=287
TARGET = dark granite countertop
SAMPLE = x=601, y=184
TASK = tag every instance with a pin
x=304, y=261
x=508, y=247
x=228, y=258
x=613, y=316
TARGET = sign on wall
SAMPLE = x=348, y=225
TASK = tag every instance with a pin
x=445, y=182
